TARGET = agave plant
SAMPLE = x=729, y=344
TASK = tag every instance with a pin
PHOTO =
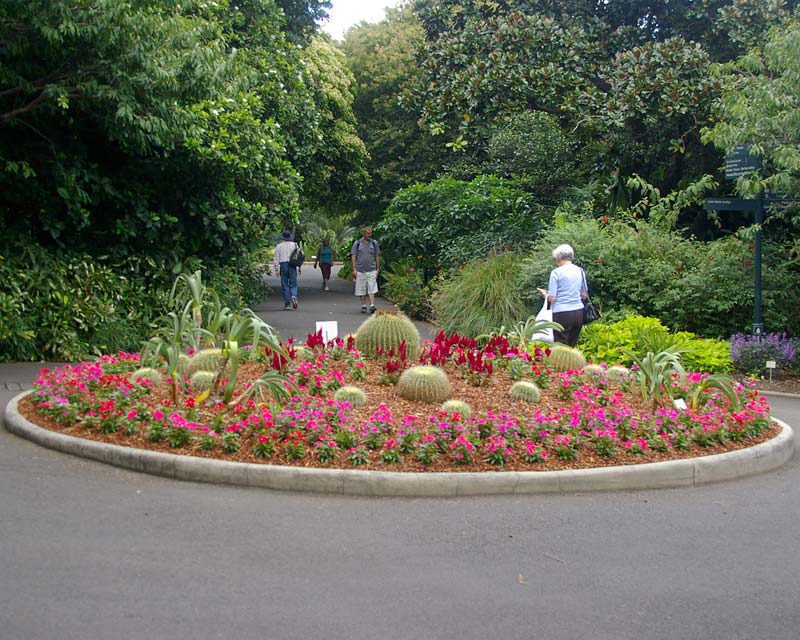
x=721, y=382
x=655, y=370
x=522, y=332
x=201, y=321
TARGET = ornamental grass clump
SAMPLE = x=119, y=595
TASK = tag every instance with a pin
x=385, y=331
x=424, y=383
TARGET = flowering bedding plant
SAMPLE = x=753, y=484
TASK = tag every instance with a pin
x=582, y=419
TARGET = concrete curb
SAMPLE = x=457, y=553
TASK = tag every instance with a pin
x=678, y=473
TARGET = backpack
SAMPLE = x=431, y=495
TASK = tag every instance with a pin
x=298, y=257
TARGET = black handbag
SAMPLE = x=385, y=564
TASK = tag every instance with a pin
x=590, y=312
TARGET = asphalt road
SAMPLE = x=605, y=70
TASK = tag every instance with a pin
x=88, y=551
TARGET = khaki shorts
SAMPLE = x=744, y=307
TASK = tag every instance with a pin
x=366, y=283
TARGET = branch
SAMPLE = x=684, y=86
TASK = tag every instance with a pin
x=5, y=117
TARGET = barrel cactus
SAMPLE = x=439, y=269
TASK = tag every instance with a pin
x=202, y=380
x=619, y=373
x=526, y=391
x=564, y=358
x=206, y=360
x=424, y=383
x=385, y=330
x=594, y=370
x=146, y=373
x=185, y=365
x=355, y=396
x=458, y=406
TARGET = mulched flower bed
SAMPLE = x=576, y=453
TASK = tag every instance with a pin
x=579, y=422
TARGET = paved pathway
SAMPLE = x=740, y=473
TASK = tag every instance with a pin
x=89, y=551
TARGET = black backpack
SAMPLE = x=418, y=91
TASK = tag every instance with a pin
x=298, y=257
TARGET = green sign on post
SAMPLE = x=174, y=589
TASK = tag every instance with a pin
x=740, y=163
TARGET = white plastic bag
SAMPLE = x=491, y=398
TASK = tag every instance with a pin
x=545, y=335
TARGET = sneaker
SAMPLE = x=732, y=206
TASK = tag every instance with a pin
x=326, y=289
x=372, y=308
x=294, y=302
x=363, y=308
x=287, y=308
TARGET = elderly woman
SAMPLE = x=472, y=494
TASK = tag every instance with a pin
x=565, y=293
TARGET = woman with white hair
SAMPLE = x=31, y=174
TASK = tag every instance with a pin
x=566, y=291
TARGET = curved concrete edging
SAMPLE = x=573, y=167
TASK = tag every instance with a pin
x=677, y=473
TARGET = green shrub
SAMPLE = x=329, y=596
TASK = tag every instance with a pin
x=424, y=383
x=616, y=342
x=480, y=296
x=450, y=221
x=526, y=391
x=385, y=330
x=705, y=288
x=68, y=307
x=406, y=289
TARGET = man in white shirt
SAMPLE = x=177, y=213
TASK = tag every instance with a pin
x=286, y=272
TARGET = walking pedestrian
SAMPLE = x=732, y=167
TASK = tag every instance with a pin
x=325, y=260
x=365, y=255
x=286, y=272
x=566, y=291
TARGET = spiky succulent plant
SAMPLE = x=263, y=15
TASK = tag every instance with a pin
x=201, y=380
x=524, y=390
x=459, y=406
x=564, y=358
x=385, y=330
x=424, y=383
x=146, y=373
x=355, y=396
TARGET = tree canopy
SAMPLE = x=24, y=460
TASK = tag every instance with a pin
x=162, y=128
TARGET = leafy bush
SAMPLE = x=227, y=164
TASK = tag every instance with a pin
x=750, y=354
x=702, y=287
x=635, y=336
x=67, y=307
x=479, y=296
x=450, y=221
x=406, y=289
x=59, y=306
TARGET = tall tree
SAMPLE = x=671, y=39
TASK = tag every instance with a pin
x=159, y=128
x=760, y=106
x=626, y=77
x=335, y=176
x=380, y=57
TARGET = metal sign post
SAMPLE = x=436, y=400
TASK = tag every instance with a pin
x=738, y=164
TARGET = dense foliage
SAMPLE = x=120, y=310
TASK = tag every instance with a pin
x=448, y=222
x=168, y=134
x=630, y=79
x=401, y=153
x=704, y=288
